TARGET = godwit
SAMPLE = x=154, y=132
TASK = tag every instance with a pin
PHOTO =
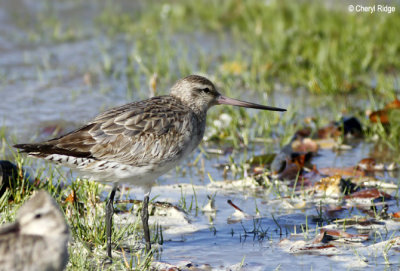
x=38, y=239
x=140, y=141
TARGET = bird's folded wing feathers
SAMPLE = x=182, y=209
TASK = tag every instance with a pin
x=142, y=126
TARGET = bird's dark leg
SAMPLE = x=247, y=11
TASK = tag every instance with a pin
x=145, y=221
x=109, y=219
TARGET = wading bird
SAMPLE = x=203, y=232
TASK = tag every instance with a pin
x=140, y=141
x=38, y=239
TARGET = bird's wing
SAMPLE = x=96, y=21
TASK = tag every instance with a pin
x=151, y=131
x=132, y=134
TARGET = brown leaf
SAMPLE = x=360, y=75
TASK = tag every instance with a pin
x=347, y=171
x=393, y=105
x=290, y=172
x=396, y=215
x=383, y=114
x=317, y=247
x=71, y=197
x=369, y=164
x=369, y=193
x=366, y=164
x=328, y=131
x=379, y=116
x=342, y=234
x=332, y=211
x=303, y=133
x=304, y=145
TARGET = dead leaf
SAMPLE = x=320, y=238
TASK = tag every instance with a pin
x=347, y=171
x=382, y=115
x=338, y=234
x=372, y=193
x=396, y=215
x=71, y=197
x=393, y=105
x=329, y=131
x=304, y=145
x=369, y=164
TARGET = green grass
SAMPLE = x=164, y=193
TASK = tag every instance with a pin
x=326, y=50
x=247, y=47
x=85, y=216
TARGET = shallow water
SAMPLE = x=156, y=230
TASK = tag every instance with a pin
x=225, y=243
x=60, y=85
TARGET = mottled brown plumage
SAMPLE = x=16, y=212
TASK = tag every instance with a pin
x=38, y=239
x=138, y=142
x=135, y=134
x=155, y=133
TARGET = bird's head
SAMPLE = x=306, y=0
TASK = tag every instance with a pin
x=41, y=216
x=200, y=94
x=196, y=91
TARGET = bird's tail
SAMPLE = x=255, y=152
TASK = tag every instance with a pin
x=34, y=149
x=44, y=149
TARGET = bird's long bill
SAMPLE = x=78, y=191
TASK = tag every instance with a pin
x=225, y=100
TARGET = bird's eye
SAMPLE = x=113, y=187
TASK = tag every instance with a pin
x=206, y=90
x=38, y=216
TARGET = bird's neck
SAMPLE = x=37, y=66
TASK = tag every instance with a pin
x=199, y=110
